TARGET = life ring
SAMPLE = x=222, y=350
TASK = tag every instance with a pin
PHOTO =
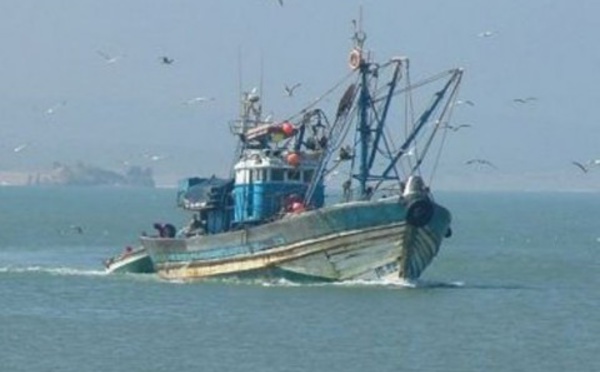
x=355, y=59
x=419, y=212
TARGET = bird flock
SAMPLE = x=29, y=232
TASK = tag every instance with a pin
x=479, y=162
x=289, y=91
x=584, y=167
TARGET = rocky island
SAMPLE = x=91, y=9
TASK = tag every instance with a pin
x=88, y=175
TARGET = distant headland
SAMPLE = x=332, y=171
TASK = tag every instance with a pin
x=81, y=175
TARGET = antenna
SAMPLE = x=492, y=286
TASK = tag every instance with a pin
x=359, y=36
x=240, y=82
x=261, y=92
x=360, y=18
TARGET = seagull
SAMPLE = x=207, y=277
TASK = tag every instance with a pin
x=466, y=102
x=20, y=147
x=155, y=157
x=524, y=100
x=78, y=229
x=482, y=162
x=53, y=109
x=107, y=57
x=594, y=162
x=74, y=228
x=290, y=90
x=580, y=166
x=486, y=34
x=456, y=128
x=198, y=100
x=166, y=60
x=252, y=96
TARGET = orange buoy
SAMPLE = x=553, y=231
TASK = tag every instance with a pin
x=288, y=129
x=293, y=159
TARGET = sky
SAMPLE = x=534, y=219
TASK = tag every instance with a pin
x=65, y=100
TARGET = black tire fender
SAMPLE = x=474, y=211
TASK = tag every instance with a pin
x=419, y=212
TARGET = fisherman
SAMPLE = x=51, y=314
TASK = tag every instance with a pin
x=196, y=226
x=346, y=189
x=165, y=230
x=289, y=202
x=159, y=228
x=369, y=192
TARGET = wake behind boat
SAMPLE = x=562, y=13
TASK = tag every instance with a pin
x=270, y=219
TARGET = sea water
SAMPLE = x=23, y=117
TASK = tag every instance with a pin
x=516, y=288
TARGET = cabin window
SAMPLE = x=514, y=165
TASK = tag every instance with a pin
x=259, y=175
x=293, y=175
x=277, y=175
x=308, y=175
x=239, y=177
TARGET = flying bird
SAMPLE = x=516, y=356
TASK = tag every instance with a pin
x=198, y=100
x=166, y=60
x=594, y=162
x=20, y=147
x=107, y=57
x=457, y=127
x=78, y=229
x=155, y=157
x=71, y=229
x=580, y=166
x=54, y=108
x=290, y=90
x=486, y=33
x=524, y=100
x=465, y=102
x=481, y=162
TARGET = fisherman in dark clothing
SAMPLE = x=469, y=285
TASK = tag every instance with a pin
x=159, y=228
x=196, y=226
x=165, y=230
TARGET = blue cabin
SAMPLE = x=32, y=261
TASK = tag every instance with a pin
x=269, y=183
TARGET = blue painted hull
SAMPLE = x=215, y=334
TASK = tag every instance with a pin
x=357, y=240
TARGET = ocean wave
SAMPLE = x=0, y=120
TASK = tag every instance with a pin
x=64, y=271
x=357, y=283
x=385, y=283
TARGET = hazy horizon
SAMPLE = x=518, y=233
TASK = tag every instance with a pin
x=83, y=81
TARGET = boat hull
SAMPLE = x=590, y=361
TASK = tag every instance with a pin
x=137, y=262
x=359, y=240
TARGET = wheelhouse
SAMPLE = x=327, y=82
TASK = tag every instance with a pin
x=269, y=183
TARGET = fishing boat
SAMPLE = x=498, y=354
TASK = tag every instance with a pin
x=272, y=218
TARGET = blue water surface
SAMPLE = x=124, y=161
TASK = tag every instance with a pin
x=514, y=289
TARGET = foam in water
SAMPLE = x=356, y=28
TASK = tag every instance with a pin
x=66, y=271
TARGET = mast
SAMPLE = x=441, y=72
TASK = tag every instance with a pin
x=364, y=129
x=364, y=102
